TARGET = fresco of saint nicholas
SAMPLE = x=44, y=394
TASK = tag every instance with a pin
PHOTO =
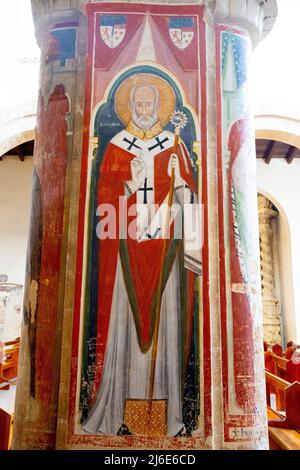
x=137, y=165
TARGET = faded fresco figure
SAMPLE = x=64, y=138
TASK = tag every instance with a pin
x=137, y=165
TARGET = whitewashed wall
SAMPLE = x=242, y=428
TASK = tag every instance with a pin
x=280, y=182
x=15, y=200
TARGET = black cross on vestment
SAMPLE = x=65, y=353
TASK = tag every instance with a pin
x=159, y=143
x=145, y=189
x=131, y=143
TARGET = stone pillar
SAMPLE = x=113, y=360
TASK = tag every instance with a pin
x=238, y=383
x=233, y=408
x=47, y=296
x=271, y=307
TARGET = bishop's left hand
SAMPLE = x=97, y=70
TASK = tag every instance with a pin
x=174, y=163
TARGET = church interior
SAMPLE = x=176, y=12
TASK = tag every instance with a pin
x=216, y=329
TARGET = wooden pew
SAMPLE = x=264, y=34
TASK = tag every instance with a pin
x=282, y=367
x=278, y=385
x=9, y=360
x=284, y=432
x=6, y=423
x=278, y=366
x=277, y=349
x=8, y=377
x=280, y=438
x=293, y=371
x=6, y=415
x=289, y=352
x=269, y=366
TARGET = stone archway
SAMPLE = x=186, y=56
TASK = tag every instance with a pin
x=17, y=125
x=278, y=127
x=276, y=183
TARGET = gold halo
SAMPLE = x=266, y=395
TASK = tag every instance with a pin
x=166, y=94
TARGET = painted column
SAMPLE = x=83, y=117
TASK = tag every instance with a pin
x=235, y=27
x=58, y=114
x=270, y=304
x=212, y=87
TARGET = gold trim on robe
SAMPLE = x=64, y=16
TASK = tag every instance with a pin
x=146, y=134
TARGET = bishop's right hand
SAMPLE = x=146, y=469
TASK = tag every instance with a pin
x=138, y=172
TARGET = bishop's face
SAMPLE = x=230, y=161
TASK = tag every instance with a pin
x=144, y=107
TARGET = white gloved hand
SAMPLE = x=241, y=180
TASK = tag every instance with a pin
x=174, y=163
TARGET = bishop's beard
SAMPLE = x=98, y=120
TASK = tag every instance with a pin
x=144, y=121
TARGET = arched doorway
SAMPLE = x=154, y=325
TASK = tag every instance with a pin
x=278, y=163
x=15, y=198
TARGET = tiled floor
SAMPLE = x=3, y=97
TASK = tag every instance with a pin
x=7, y=399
